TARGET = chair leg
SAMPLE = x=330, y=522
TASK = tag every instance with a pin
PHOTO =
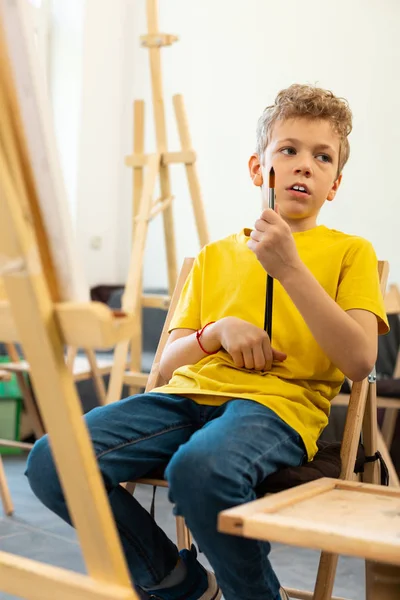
x=27, y=397
x=370, y=436
x=389, y=425
x=328, y=562
x=326, y=576
x=393, y=477
x=97, y=377
x=183, y=534
x=5, y=492
x=382, y=581
x=130, y=486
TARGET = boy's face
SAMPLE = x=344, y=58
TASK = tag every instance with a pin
x=305, y=153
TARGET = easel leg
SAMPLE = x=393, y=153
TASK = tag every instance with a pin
x=138, y=148
x=191, y=171
x=5, y=492
x=169, y=231
x=131, y=300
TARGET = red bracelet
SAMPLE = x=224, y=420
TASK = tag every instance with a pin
x=198, y=335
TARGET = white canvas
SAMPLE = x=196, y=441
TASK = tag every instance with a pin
x=36, y=116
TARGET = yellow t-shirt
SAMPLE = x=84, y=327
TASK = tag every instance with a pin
x=227, y=280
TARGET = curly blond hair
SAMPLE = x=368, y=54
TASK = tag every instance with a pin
x=312, y=103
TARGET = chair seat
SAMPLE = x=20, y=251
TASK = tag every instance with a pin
x=326, y=463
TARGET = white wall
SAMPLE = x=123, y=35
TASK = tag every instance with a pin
x=65, y=83
x=231, y=60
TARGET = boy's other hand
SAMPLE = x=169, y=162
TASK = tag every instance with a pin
x=248, y=345
x=273, y=244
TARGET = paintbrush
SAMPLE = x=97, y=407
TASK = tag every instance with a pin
x=270, y=281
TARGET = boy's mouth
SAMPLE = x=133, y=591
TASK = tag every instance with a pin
x=299, y=189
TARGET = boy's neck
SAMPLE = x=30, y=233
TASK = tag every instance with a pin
x=299, y=225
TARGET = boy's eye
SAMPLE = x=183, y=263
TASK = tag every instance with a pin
x=324, y=157
x=288, y=151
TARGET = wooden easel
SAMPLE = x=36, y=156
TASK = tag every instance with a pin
x=41, y=302
x=147, y=169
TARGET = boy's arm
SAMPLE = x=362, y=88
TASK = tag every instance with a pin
x=182, y=348
x=350, y=339
x=248, y=345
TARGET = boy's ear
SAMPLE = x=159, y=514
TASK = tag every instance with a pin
x=255, y=170
x=334, y=188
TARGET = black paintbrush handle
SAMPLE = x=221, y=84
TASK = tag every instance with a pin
x=268, y=306
x=270, y=281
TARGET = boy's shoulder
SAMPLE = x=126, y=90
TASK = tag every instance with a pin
x=339, y=241
x=228, y=243
x=349, y=240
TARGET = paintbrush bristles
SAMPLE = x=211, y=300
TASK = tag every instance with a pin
x=271, y=178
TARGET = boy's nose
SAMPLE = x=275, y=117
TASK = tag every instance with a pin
x=304, y=170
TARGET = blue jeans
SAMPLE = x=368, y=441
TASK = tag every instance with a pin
x=216, y=455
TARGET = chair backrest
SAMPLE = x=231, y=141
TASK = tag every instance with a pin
x=389, y=346
x=154, y=378
x=361, y=391
x=392, y=300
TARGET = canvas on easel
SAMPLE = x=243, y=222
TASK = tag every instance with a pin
x=148, y=169
x=48, y=304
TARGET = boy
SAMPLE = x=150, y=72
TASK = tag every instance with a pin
x=237, y=408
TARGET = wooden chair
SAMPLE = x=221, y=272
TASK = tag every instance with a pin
x=359, y=409
x=156, y=478
x=387, y=393
x=83, y=367
x=80, y=370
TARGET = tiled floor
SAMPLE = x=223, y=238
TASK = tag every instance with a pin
x=36, y=533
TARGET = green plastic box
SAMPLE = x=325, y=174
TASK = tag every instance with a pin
x=10, y=411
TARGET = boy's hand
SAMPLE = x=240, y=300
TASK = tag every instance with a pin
x=248, y=345
x=273, y=244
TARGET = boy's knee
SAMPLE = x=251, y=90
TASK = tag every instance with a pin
x=192, y=475
x=196, y=477
x=41, y=471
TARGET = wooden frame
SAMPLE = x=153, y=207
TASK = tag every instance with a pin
x=38, y=291
x=147, y=169
x=298, y=517
x=351, y=518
